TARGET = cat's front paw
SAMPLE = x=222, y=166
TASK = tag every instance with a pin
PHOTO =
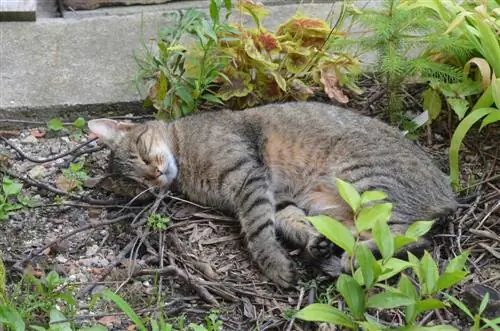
x=319, y=247
x=281, y=270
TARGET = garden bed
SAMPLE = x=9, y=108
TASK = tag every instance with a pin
x=96, y=239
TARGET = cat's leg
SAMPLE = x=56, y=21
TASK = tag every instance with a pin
x=256, y=212
x=293, y=226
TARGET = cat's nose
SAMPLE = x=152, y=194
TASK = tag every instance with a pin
x=158, y=172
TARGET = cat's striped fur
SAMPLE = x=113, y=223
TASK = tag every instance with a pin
x=272, y=165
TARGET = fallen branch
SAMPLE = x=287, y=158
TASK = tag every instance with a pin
x=52, y=158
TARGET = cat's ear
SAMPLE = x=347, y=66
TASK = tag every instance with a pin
x=109, y=131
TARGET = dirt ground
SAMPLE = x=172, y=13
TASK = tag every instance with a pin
x=97, y=238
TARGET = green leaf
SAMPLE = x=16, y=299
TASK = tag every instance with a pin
x=387, y=300
x=401, y=241
x=459, y=106
x=491, y=118
x=125, y=307
x=419, y=228
x=484, y=303
x=318, y=312
x=334, y=231
x=214, y=11
x=369, y=196
x=495, y=85
x=79, y=123
x=55, y=125
x=495, y=324
x=353, y=295
x=432, y=328
x=459, y=304
x=349, y=194
x=369, y=266
x=457, y=263
x=449, y=279
x=389, y=269
x=429, y=304
x=407, y=288
x=430, y=274
x=11, y=187
x=383, y=238
x=459, y=135
x=9, y=316
x=58, y=322
x=211, y=98
x=369, y=215
x=432, y=103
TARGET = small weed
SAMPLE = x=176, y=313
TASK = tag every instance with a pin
x=34, y=301
x=11, y=199
x=158, y=222
x=74, y=176
x=56, y=125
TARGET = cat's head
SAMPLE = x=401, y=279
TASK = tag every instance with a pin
x=140, y=151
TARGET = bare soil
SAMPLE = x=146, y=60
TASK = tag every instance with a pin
x=96, y=238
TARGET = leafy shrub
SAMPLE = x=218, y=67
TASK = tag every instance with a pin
x=242, y=66
x=367, y=288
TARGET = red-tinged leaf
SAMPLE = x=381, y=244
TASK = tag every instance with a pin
x=331, y=86
x=266, y=41
x=238, y=86
x=262, y=60
x=302, y=28
x=296, y=62
x=267, y=88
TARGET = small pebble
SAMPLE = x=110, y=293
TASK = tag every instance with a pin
x=29, y=140
x=37, y=172
x=91, y=250
x=61, y=259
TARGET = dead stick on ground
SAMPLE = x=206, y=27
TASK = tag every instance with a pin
x=52, y=158
x=299, y=303
x=188, y=279
x=50, y=188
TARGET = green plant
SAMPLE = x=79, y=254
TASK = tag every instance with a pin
x=11, y=199
x=33, y=302
x=158, y=222
x=75, y=175
x=243, y=66
x=159, y=323
x=368, y=287
x=398, y=36
x=476, y=25
x=57, y=125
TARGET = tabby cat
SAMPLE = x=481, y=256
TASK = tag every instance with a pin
x=273, y=165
